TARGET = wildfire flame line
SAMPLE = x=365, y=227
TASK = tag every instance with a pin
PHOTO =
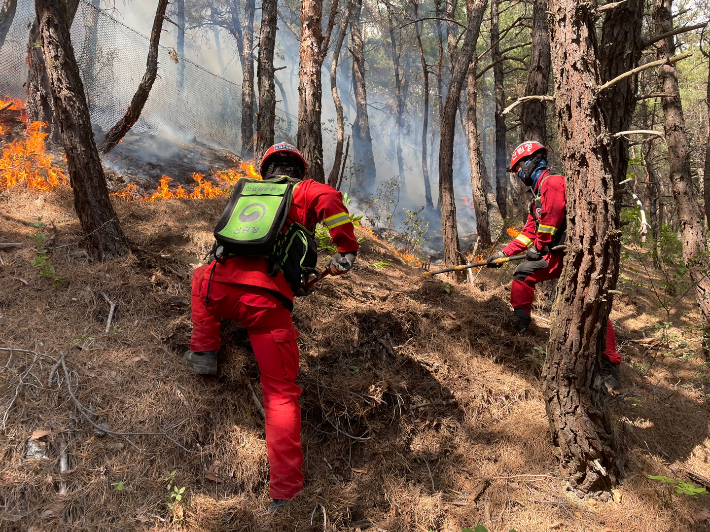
x=407, y=256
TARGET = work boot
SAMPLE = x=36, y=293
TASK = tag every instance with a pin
x=277, y=505
x=611, y=376
x=203, y=362
x=521, y=320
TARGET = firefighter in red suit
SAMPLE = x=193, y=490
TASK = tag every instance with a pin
x=545, y=229
x=239, y=288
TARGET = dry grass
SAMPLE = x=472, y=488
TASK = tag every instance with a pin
x=414, y=399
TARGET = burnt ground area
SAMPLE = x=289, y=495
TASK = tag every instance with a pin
x=421, y=411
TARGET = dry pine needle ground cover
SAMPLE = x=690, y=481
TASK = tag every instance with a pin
x=420, y=410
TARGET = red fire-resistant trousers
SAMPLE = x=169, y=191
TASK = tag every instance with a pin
x=522, y=292
x=273, y=339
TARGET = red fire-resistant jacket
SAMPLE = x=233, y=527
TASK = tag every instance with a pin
x=547, y=214
x=312, y=203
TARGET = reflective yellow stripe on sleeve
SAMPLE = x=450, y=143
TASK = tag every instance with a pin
x=525, y=240
x=337, y=219
x=547, y=229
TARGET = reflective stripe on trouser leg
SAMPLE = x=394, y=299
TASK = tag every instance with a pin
x=276, y=352
x=610, y=351
x=205, y=326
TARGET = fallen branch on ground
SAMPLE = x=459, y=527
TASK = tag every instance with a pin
x=255, y=399
x=10, y=245
x=110, y=312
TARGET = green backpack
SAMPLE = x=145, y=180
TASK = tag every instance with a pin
x=252, y=226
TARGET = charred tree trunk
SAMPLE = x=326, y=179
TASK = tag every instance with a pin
x=447, y=198
x=181, y=44
x=620, y=52
x=425, y=111
x=363, y=156
x=533, y=117
x=133, y=113
x=333, y=176
x=91, y=200
x=706, y=170
x=572, y=391
x=687, y=208
x=265, y=79
x=7, y=15
x=399, y=92
x=248, y=79
x=501, y=149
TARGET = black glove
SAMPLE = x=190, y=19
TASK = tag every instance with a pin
x=339, y=264
x=490, y=262
x=534, y=254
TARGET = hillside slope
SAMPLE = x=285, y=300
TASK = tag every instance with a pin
x=421, y=411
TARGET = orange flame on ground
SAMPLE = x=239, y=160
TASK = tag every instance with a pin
x=513, y=232
x=17, y=104
x=407, y=256
x=25, y=162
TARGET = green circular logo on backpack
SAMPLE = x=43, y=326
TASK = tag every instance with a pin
x=252, y=213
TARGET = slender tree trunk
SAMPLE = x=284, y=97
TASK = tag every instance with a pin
x=7, y=15
x=440, y=63
x=333, y=176
x=133, y=113
x=363, y=156
x=181, y=44
x=284, y=99
x=447, y=198
x=248, y=79
x=399, y=92
x=425, y=111
x=533, y=117
x=706, y=171
x=265, y=78
x=572, y=390
x=688, y=210
x=501, y=149
x=104, y=236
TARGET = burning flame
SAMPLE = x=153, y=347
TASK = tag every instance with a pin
x=15, y=103
x=467, y=201
x=513, y=232
x=406, y=255
x=25, y=162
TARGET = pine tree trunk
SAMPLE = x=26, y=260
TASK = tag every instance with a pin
x=688, y=211
x=533, y=117
x=104, y=236
x=425, y=111
x=396, y=52
x=248, y=79
x=133, y=113
x=363, y=156
x=572, y=391
x=265, y=79
x=181, y=44
x=706, y=171
x=501, y=149
x=39, y=94
x=447, y=198
x=7, y=15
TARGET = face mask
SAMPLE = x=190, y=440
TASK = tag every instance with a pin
x=527, y=180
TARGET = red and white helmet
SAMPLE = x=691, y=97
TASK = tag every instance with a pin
x=526, y=149
x=284, y=149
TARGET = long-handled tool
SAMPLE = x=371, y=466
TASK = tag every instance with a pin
x=475, y=265
x=320, y=276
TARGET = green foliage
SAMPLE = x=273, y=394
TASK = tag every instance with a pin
x=118, y=486
x=41, y=260
x=382, y=205
x=380, y=264
x=447, y=287
x=414, y=227
x=175, y=493
x=682, y=487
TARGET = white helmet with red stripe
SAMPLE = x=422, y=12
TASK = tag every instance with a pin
x=283, y=149
x=526, y=149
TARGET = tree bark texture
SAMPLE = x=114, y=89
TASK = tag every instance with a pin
x=363, y=156
x=248, y=79
x=7, y=15
x=706, y=171
x=265, y=79
x=447, y=198
x=333, y=176
x=501, y=150
x=180, y=43
x=688, y=211
x=104, y=236
x=133, y=112
x=533, y=116
x=425, y=110
x=573, y=398
x=620, y=52
x=399, y=93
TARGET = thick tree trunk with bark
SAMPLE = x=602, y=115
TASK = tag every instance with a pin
x=706, y=171
x=363, y=156
x=620, y=52
x=572, y=391
x=425, y=111
x=104, y=236
x=447, y=198
x=501, y=149
x=133, y=113
x=689, y=214
x=248, y=79
x=333, y=176
x=399, y=93
x=181, y=43
x=7, y=15
x=265, y=79
x=533, y=116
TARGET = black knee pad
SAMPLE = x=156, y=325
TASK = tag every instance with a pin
x=527, y=268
